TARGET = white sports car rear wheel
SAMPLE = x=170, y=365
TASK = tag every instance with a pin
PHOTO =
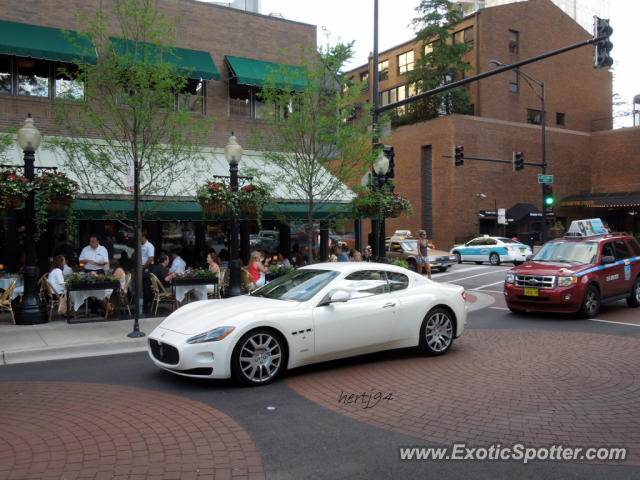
x=436, y=333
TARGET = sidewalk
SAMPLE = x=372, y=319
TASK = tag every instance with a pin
x=58, y=340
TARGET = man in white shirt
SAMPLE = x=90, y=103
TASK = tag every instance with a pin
x=94, y=256
x=178, y=265
x=147, y=251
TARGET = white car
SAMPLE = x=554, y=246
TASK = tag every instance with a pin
x=493, y=250
x=316, y=313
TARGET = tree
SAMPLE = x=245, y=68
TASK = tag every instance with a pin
x=128, y=124
x=319, y=135
x=441, y=63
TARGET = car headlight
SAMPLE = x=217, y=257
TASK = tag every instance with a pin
x=510, y=278
x=452, y=257
x=567, y=281
x=214, y=335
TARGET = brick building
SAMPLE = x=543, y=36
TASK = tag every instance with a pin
x=454, y=203
x=233, y=46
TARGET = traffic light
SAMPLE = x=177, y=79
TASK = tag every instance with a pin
x=547, y=196
x=390, y=154
x=602, y=57
x=458, y=155
x=518, y=161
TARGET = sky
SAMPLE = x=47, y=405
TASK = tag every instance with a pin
x=347, y=20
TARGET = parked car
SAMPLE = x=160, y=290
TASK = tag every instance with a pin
x=330, y=311
x=493, y=250
x=118, y=248
x=577, y=273
x=407, y=249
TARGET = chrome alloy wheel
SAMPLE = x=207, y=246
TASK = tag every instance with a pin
x=438, y=331
x=260, y=357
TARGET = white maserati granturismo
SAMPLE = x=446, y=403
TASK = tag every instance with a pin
x=316, y=313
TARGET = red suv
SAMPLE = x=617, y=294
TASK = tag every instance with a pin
x=577, y=274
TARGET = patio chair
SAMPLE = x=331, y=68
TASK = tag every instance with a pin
x=43, y=291
x=160, y=294
x=216, y=292
x=248, y=283
x=124, y=294
x=5, y=300
x=54, y=298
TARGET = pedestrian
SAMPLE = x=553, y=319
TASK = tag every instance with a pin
x=423, y=253
x=368, y=251
x=94, y=256
x=147, y=251
x=342, y=256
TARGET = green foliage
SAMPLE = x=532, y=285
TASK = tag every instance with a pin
x=318, y=131
x=369, y=203
x=441, y=64
x=400, y=263
x=196, y=273
x=214, y=192
x=13, y=184
x=89, y=278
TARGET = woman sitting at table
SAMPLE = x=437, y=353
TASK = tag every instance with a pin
x=212, y=266
x=119, y=273
x=55, y=277
x=257, y=269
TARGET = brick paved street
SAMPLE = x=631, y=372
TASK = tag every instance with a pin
x=88, y=431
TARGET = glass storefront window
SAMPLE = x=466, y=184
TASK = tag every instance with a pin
x=33, y=77
x=191, y=98
x=5, y=74
x=66, y=87
x=239, y=101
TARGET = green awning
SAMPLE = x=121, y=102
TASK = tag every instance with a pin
x=184, y=210
x=191, y=63
x=255, y=72
x=25, y=40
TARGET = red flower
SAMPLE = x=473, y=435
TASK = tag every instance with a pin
x=23, y=180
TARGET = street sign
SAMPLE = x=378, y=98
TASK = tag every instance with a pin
x=545, y=178
x=502, y=216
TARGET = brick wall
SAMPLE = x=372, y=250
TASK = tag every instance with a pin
x=615, y=160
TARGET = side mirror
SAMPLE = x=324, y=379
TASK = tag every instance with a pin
x=339, y=296
x=607, y=259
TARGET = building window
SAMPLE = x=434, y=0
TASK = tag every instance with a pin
x=534, y=116
x=559, y=118
x=364, y=76
x=33, y=77
x=396, y=94
x=191, y=98
x=383, y=70
x=5, y=75
x=239, y=100
x=463, y=36
x=405, y=62
x=513, y=41
x=65, y=86
x=514, y=80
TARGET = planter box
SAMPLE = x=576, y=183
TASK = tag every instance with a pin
x=108, y=285
x=195, y=281
x=13, y=202
x=58, y=204
x=215, y=208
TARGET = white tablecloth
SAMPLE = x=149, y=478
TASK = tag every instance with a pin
x=199, y=291
x=19, y=289
x=78, y=297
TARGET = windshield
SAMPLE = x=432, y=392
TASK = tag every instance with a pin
x=299, y=285
x=410, y=245
x=569, y=252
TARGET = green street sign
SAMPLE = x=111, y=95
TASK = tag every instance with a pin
x=545, y=178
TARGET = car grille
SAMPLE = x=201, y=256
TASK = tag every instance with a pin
x=164, y=353
x=535, y=281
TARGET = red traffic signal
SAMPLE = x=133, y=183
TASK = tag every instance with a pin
x=458, y=155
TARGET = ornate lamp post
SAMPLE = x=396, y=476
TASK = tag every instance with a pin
x=30, y=311
x=233, y=153
x=381, y=168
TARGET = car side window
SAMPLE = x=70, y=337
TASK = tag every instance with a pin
x=635, y=248
x=365, y=283
x=607, y=250
x=491, y=241
x=622, y=251
x=477, y=241
x=397, y=281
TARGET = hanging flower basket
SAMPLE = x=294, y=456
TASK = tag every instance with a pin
x=215, y=207
x=13, y=202
x=395, y=212
x=249, y=208
x=58, y=204
x=367, y=211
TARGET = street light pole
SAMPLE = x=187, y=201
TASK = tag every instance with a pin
x=543, y=127
x=233, y=153
x=30, y=310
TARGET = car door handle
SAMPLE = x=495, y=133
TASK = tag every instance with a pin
x=390, y=304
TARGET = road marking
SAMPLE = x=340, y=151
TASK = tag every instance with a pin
x=499, y=308
x=610, y=321
x=472, y=276
x=488, y=285
x=453, y=272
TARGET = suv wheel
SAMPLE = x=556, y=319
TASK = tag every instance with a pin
x=590, y=303
x=634, y=300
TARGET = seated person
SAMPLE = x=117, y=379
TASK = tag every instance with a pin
x=212, y=266
x=282, y=262
x=161, y=270
x=257, y=269
x=178, y=265
x=55, y=276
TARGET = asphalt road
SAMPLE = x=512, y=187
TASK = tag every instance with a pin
x=301, y=436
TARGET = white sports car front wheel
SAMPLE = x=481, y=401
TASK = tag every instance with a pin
x=258, y=358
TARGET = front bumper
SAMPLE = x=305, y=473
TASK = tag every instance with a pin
x=169, y=350
x=557, y=299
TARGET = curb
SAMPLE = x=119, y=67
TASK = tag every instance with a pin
x=74, y=351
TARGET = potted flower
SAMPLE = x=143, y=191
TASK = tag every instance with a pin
x=91, y=281
x=195, y=276
x=215, y=198
x=13, y=189
x=394, y=204
x=366, y=203
x=252, y=199
x=56, y=190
